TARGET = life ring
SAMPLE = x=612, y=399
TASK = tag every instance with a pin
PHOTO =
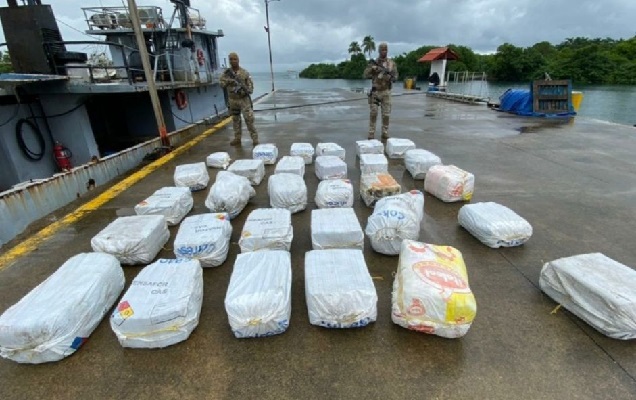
x=200, y=57
x=181, y=98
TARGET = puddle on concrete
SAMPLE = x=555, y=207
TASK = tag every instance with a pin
x=544, y=125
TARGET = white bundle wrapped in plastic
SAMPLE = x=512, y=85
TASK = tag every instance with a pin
x=431, y=292
x=377, y=185
x=396, y=147
x=204, y=237
x=194, y=176
x=330, y=167
x=418, y=162
x=494, y=225
x=230, y=193
x=254, y=170
x=219, y=159
x=597, y=289
x=171, y=202
x=287, y=191
x=304, y=150
x=336, y=228
x=373, y=146
x=334, y=193
x=162, y=305
x=258, y=299
x=268, y=152
x=291, y=165
x=339, y=289
x=133, y=240
x=395, y=219
x=330, y=149
x=449, y=183
x=55, y=318
x=373, y=163
x=267, y=229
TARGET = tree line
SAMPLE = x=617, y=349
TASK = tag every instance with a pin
x=584, y=60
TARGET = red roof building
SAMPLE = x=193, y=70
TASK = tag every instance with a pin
x=440, y=53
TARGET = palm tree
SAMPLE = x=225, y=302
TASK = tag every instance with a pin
x=354, y=48
x=368, y=45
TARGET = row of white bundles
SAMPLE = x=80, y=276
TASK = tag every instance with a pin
x=287, y=191
x=431, y=292
x=258, y=299
x=267, y=229
x=334, y=193
x=375, y=186
x=204, y=237
x=330, y=149
x=418, y=162
x=230, y=193
x=449, y=183
x=267, y=152
x=330, y=167
x=333, y=228
x=339, y=289
x=494, y=225
x=162, y=305
x=171, y=202
x=55, y=318
x=397, y=148
x=219, y=159
x=254, y=170
x=372, y=163
x=597, y=289
x=291, y=165
x=304, y=150
x=134, y=239
x=193, y=176
x=373, y=146
x=395, y=218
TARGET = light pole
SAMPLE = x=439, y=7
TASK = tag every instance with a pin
x=269, y=42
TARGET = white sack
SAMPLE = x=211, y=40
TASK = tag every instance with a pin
x=171, y=202
x=394, y=219
x=339, y=289
x=287, y=191
x=334, y=193
x=268, y=152
x=494, y=225
x=291, y=165
x=330, y=167
x=254, y=170
x=418, y=161
x=204, y=237
x=377, y=185
x=194, y=176
x=449, y=183
x=267, y=229
x=133, y=240
x=258, y=299
x=162, y=305
x=396, y=147
x=330, y=149
x=55, y=318
x=219, y=159
x=230, y=193
x=373, y=146
x=597, y=289
x=304, y=150
x=333, y=228
x=373, y=163
x=431, y=292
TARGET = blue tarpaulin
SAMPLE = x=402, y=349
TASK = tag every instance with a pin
x=519, y=101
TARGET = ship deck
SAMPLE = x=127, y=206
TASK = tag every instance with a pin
x=573, y=180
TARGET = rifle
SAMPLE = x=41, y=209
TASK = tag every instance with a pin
x=384, y=69
x=239, y=86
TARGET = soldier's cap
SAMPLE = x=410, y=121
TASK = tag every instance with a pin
x=232, y=54
x=383, y=45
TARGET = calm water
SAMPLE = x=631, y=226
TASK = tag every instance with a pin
x=603, y=102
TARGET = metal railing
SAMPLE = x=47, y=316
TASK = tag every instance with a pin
x=151, y=17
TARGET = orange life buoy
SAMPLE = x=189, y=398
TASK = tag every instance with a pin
x=200, y=57
x=181, y=98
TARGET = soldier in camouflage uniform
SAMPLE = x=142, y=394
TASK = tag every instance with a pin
x=239, y=85
x=383, y=72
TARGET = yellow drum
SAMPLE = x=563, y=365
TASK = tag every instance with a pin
x=577, y=99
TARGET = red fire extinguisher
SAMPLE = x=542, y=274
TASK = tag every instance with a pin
x=62, y=157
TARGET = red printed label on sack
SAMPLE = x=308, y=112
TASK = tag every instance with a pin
x=125, y=310
x=439, y=277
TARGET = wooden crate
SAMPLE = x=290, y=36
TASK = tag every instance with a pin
x=552, y=97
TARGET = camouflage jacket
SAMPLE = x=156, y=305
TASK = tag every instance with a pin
x=242, y=89
x=381, y=80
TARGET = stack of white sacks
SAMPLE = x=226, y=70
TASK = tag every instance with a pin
x=204, y=237
x=330, y=167
x=418, y=162
x=230, y=193
x=336, y=228
x=449, y=183
x=304, y=150
x=373, y=146
x=330, y=149
x=193, y=176
x=171, y=202
x=287, y=191
x=372, y=163
x=397, y=148
x=291, y=165
x=220, y=159
x=267, y=229
x=253, y=170
x=494, y=225
x=334, y=193
x=267, y=152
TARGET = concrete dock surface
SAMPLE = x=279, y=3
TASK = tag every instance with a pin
x=573, y=180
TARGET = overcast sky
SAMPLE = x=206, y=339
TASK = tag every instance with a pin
x=313, y=31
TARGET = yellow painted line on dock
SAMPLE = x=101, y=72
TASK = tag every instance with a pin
x=34, y=241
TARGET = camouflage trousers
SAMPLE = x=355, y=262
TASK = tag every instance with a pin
x=382, y=99
x=238, y=107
